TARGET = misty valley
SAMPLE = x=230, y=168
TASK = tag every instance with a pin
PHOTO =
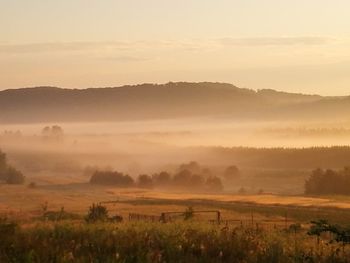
x=189, y=181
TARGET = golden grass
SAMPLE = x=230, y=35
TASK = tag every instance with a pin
x=76, y=198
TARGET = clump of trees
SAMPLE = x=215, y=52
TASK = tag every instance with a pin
x=54, y=132
x=323, y=182
x=111, y=178
x=190, y=177
x=9, y=174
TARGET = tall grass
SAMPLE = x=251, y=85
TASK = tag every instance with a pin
x=157, y=242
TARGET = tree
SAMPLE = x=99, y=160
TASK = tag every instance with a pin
x=196, y=181
x=161, y=179
x=54, y=132
x=9, y=174
x=193, y=167
x=14, y=176
x=182, y=178
x=231, y=173
x=145, y=181
x=214, y=184
x=3, y=166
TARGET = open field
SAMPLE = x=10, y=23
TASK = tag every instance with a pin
x=23, y=202
x=252, y=228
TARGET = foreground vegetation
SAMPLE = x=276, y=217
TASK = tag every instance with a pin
x=157, y=242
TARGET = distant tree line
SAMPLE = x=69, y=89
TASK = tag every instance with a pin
x=188, y=177
x=9, y=174
x=283, y=158
x=324, y=182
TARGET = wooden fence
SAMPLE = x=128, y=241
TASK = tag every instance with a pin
x=259, y=223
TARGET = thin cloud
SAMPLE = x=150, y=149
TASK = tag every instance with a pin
x=124, y=58
x=274, y=41
x=141, y=45
x=65, y=47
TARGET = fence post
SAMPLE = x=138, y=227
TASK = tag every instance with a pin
x=286, y=220
x=162, y=218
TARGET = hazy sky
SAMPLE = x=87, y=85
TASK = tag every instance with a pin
x=294, y=45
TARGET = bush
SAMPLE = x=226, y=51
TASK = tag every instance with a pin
x=97, y=212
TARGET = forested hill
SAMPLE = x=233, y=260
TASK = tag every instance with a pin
x=172, y=100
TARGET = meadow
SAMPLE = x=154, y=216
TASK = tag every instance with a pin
x=47, y=224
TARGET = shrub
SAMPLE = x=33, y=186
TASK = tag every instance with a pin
x=97, y=212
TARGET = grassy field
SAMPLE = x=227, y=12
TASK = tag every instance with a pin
x=23, y=202
x=253, y=228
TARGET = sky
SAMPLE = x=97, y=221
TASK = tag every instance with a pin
x=295, y=45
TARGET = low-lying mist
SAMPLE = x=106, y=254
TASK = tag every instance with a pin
x=148, y=147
